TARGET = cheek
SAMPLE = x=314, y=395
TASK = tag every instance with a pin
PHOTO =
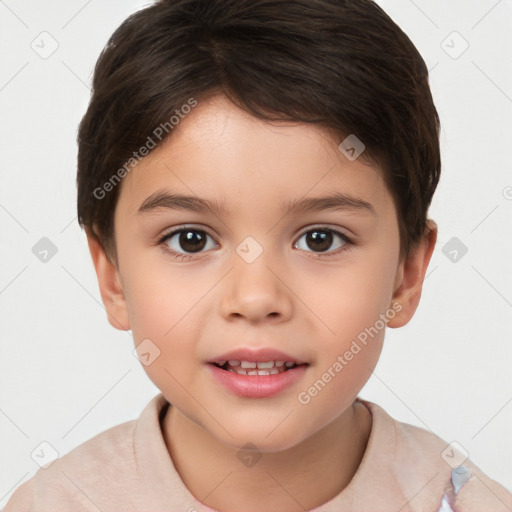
x=160, y=296
x=353, y=302
x=164, y=305
x=159, y=319
x=353, y=306
x=349, y=298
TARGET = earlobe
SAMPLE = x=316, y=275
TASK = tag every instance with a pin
x=410, y=276
x=112, y=293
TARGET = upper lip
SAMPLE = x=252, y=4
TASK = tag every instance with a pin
x=256, y=356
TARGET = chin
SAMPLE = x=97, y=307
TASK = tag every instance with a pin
x=263, y=445
x=257, y=434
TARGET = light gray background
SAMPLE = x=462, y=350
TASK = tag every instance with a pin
x=67, y=375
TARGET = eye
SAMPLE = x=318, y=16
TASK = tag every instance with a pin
x=187, y=241
x=321, y=239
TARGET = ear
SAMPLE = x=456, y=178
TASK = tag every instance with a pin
x=111, y=290
x=410, y=276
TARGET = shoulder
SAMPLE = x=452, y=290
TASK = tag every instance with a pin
x=127, y=467
x=79, y=477
x=102, y=473
x=421, y=463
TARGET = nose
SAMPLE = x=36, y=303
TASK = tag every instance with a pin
x=256, y=292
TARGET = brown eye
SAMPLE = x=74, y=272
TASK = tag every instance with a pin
x=187, y=241
x=192, y=241
x=321, y=240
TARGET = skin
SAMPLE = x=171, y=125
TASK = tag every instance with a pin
x=292, y=298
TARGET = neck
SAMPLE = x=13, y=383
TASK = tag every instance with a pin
x=300, y=478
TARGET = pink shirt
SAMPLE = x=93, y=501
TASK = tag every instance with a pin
x=128, y=468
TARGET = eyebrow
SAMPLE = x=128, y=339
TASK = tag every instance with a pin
x=335, y=201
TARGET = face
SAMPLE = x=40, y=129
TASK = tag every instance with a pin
x=247, y=279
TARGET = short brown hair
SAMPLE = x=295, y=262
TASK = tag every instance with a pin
x=342, y=64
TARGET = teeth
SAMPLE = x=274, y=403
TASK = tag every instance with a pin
x=257, y=368
x=265, y=364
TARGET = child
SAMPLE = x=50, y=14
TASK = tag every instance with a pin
x=262, y=128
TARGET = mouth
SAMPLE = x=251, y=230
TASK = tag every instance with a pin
x=257, y=367
x=257, y=373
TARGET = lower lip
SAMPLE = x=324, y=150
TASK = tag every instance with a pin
x=257, y=386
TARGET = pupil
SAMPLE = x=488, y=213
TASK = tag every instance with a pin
x=192, y=241
x=322, y=239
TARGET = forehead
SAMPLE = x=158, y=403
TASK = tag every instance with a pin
x=221, y=152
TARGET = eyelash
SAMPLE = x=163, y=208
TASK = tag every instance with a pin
x=346, y=246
